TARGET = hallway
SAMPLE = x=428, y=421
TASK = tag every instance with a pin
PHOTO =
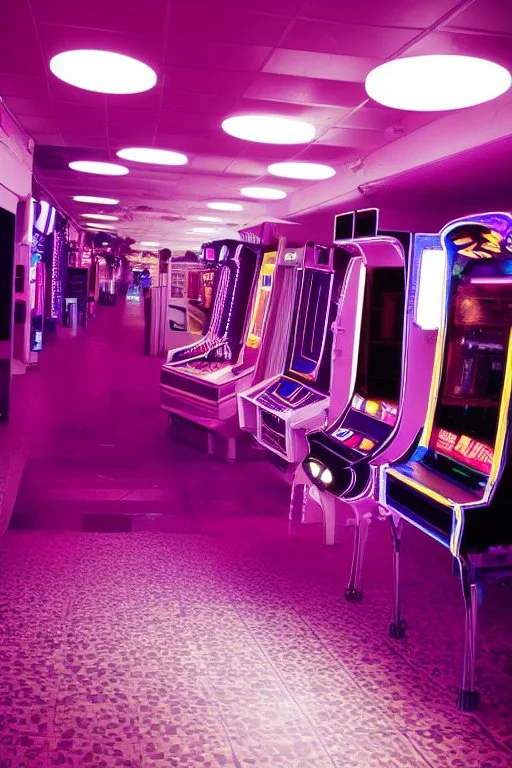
x=155, y=610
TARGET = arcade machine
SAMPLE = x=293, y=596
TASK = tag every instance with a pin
x=397, y=319
x=44, y=223
x=279, y=410
x=190, y=297
x=199, y=382
x=455, y=484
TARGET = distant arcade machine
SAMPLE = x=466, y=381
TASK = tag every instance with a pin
x=456, y=484
x=199, y=382
x=278, y=411
x=191, y=296
x=396, y=318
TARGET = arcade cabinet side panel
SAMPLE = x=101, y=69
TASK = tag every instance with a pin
x=7, y=232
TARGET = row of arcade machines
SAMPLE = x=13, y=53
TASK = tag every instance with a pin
x=376, y=413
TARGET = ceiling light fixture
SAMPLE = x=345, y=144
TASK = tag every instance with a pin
x=308, y=171
x=149, y=244
x=269, y=129
x=204, y=230
x=99, y=226
x=153, y=156
x=208, y=218
x=436, y=83
x=263, y=193
x=103, y=71
x=220, y=206
x=95, y=200
x=101, y=216
x=101, y=169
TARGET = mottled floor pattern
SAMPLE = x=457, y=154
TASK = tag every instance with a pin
x=156, y=611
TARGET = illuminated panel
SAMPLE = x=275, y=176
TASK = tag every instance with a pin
x=311, y=323
x=463, y=449
x=262, y=300
x=429, y=300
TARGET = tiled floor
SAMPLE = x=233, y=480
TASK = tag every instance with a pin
x=199, y=631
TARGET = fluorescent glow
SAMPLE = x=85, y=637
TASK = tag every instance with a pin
x=102, y=169
x=263, y=193
x=204, y=230
x=308, y=171
x=429, y=301
x=208, y=218
x=491, y=280
x=103, y=71
x=220, y=206
x=101, y=216
x=149, y=244
x=326, y=477
x=98, y=200
x=269, y=129
x=314, y=468
x=99, y=226
x=153, y=156
x=436, y=83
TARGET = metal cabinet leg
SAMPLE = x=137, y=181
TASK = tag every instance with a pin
x=468, y=699
x=397, y=627
x=354, y=591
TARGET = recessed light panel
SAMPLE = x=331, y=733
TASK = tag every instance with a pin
x=308, y=171
x=99, y=226
x=208, y=218
x=101, y=169
x=95, y=200
x=152, y=156
x=149, y=244
x=103, y=71
x=263, y=193
x=269, y=129
x=220, y=206
x=436, y=83
x=204, y=230
x=100, y=216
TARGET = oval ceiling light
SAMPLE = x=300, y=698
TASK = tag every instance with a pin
x=308, y=171
x=103, y=71
x=153, y=156
x=149, y=244
x=101, y=216
x=204, y=230
x=99, y=226
x=220, y=206
x=436, y=83
x=102, y=169
x=269, y=129
x=208, y=218
x=263, y=193
x=95, y=200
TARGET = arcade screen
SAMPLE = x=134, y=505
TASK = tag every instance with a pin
x=373, y=411
x=344, y=226
x=366, y=222
x=478, y=330
x=262, y=300
x=312, y=319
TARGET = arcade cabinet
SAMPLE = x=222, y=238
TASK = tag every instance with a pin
x=280, y=410
x=456, y=484
x=393, y=355
x=199, y=382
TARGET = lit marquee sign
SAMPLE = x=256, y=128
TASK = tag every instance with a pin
x=464, y=449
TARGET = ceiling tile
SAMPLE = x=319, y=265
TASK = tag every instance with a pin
x=325, y=66
x=346, y=39
x=205, y=21
x=22, y=86
x=207, y=81
x=486, y=16
x=223, y=57
x=112, y=16
x=306, y=90
x=390, y=13
x=21, y=106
